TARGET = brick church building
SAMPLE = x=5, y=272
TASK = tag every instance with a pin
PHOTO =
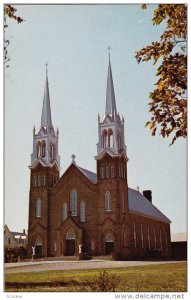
x=95, y=212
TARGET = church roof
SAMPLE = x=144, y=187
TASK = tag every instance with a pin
x=90, y=175
x=137, y=202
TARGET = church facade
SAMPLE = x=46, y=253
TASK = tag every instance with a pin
x=96, y=213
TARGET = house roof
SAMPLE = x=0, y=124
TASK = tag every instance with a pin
x=179, y=237
x=19, y=235
x=137, y=202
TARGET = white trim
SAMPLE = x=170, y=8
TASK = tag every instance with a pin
x=155, y=238
x=134, y=234
x=166, y=240
x=142, y=236
x=109, y=152
x=149, y=241
x=44, y=164
x=160, y=238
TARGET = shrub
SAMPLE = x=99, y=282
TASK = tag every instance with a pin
x=13, y=253
x=104, y=282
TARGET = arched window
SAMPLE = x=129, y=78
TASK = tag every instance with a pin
x=38, y=208
x=118, y=140
x=39, y=180
x=38, y=150
x=123, y=202
x=104, y=138
x=110, y=138
x=52, y=150
x=70, y=235
x=102, y=172
x=34, y=181
x=112, y=171
x=73, y=203
x=107, y=171
x=43, y=147
x=64, y=211
x=107, y=201
x=110, y=237
x=82, y=211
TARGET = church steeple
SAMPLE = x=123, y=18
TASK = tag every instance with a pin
x=111, y=126
x=110, y=107
x=46, y=120
x=45, y=142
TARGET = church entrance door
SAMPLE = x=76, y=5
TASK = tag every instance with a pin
x=109, y=247
x=70, y=242
x=38, y=248
x=70, y=247
x=109, y=243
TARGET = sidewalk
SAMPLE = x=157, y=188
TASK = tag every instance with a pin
x=38, y=266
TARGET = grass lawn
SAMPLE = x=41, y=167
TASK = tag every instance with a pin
x=153, y=278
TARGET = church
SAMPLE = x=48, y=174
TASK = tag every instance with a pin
x=86, y=212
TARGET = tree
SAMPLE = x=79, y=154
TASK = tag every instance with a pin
x=168, y=101
x=9, y=12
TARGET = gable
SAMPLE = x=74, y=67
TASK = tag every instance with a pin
x=76, y=174
x=107, y=120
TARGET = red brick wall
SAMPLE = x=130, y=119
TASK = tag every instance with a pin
x=98, y=222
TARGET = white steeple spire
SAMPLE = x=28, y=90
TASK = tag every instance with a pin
x=111, y=126
x=110, y=107
x=46, y=120
x=45, y=142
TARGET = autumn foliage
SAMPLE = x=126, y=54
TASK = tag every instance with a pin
x=9, y=12
x=168, y=101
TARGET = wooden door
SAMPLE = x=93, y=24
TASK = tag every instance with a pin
x=70, y=247
x=109, y=247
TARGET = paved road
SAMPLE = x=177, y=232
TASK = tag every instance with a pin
x=71, y=265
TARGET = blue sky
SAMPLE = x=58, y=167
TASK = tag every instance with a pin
x=73, y=39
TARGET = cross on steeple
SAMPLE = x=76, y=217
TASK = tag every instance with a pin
x=108, y=49
x=73, y=158
x=46, y=64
